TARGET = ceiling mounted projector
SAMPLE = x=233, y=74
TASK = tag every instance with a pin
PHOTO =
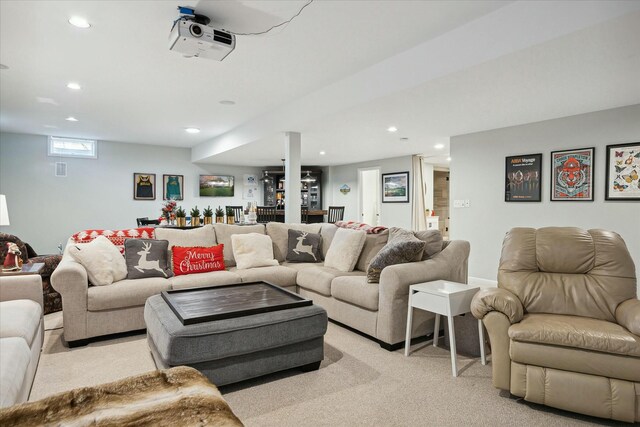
x=191, y=38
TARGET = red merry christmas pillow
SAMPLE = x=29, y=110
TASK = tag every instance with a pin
x=188, y=260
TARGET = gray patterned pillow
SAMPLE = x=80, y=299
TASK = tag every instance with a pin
x=304, y=247
x=402, y=247
x=147, y=258
x=433, y=240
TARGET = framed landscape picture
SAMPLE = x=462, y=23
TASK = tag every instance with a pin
x=572, y=175
x=623, y=170
x=173, y=187
x=523, y=176
x=216, y=186
x=395, y=187
x=144, y=186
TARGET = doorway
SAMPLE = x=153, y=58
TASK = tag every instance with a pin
x=441, y=199
x=369, y=195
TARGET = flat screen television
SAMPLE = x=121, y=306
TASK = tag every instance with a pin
x=216, y=185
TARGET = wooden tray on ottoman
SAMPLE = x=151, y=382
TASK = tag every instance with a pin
x=224, y=302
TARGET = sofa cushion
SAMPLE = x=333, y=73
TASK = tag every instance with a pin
x=280, y=237
x=20, y=318
x=577, y=332
x=147, y=258
x=102, y=260
x=125, y=293
x=327, y=231
x=200, y=280
x=299, y=266
x=252, y=250
x=203, y=236
x=318, y=279
x=373, y=243
x=356, y=290
x=224, y=233
x=192, y=260
x=304, y=246
x=277, y=275
x=401, y=248
x=14, y=363
x=345, y=249
x=433, y=240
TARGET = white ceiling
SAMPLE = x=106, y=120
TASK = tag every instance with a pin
x=579, y=57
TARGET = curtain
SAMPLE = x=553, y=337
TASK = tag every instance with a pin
x=418, y=219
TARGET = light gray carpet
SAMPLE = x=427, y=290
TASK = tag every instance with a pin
x=358, y=384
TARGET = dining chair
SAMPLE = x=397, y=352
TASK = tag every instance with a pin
x=336, y=213
x=139, y=220
x=266, y=214
x=237, y=212
x=146, y=221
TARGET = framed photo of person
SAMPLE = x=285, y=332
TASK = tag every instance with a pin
x=144, y=186
x=172, y=187
x=623, y=172
x=572, y=175
x=523, y=178
x=395, y=187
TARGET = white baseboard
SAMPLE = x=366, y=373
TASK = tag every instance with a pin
x=483, y=283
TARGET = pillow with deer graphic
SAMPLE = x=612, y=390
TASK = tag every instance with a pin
x=304, y=247
x=147, y=258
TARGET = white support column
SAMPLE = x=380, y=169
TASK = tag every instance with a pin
x=292, y=186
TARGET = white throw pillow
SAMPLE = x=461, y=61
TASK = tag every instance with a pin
x=345, y=249
x=252, y=250
x=102, y=260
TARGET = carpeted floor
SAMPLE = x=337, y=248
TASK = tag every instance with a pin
x=358, y=384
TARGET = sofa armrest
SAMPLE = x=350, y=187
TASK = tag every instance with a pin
x=71, y=281
x=497, y=299
x=22, y=287
x=628, y=315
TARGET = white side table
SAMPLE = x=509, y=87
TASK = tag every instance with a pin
x=443, y=298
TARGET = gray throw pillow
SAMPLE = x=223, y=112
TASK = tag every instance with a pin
x=433, y=239
x=304, y=247
x=147, y=258
x=402, y=247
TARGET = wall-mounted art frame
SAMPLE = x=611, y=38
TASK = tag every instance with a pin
x=572, y=175
x=395, y=187
x=216, y=185
x=144, y=186
x=623, y=170
x=523, y=178
x=172, y=187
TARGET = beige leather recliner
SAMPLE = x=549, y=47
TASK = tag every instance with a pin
x=564, y=322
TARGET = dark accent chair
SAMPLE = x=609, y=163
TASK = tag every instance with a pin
x=266, y=214
x=336, y=213
x=52, y=299
x=237, y=212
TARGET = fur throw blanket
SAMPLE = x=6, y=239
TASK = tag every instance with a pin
x=179, y=396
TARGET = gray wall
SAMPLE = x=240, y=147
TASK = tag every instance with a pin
x=391, y=214
x=45, y=210
x=477, y=174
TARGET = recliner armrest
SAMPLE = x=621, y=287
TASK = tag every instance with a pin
x=628, y=315
x=497, y=299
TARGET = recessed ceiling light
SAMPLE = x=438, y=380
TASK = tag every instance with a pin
x=192, y=130
x=448, y=159
x=404, y=139
x=71, y=119
x=438, y=146
x=392, y=129
x=74, y=86
x=227, y=102
x=79, y=22
x=322, y=153
x=3, y=67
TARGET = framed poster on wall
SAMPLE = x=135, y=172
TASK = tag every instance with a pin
x=144, y=186
x=623, y=172
x=173, y=187
x=395, y=187
x=216, y=186
x=523, y=176
x=572, y=175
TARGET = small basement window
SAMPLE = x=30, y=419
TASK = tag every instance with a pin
x=73, y=147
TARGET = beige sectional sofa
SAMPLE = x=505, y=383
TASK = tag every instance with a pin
x=21, y=335
x=378, y=310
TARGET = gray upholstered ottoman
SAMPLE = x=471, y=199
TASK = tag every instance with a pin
x=236, y=349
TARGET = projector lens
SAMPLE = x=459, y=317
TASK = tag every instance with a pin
x=195, y=30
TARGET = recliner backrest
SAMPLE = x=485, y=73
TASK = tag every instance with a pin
x=567, y=270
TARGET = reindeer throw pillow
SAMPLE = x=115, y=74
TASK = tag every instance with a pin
x=147, y=258
x=304, y=247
